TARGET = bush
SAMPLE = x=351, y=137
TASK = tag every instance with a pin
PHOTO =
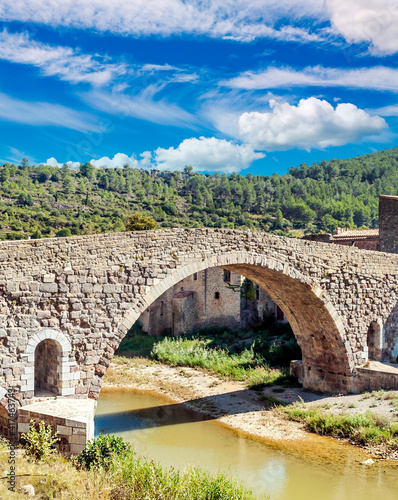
x=39, y=442
x=101, y=452
x=139, y=222
x=62, y=233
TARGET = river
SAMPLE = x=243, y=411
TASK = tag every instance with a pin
x=319, y=468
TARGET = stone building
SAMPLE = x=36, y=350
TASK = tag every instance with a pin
x=384, y=238
x=388, y=223
x=210, y=298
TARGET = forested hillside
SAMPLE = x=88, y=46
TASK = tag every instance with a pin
x=48, y=201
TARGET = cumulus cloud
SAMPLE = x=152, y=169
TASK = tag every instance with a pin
x=207, y=154
x=121, y=159
x=44, y=113
x=377, y=78
x=64, y=62
x=313, y=123
x=203, y=154
x=242, y=20
x=52, y=162
x=372, y=21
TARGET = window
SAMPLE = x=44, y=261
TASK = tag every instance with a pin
x=257, y=292
x=227, y=275
x=217, y=295
x=161, y=307
x=195, y=276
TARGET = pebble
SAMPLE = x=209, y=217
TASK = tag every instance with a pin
x=368, y=462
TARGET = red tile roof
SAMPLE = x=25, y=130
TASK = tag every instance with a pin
x=357, y=234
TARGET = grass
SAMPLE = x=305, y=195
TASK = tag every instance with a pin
x=359, y=429
x=246, y=366
x=258, y=358
x=129, y=478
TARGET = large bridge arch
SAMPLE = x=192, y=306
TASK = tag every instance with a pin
x=327, y=358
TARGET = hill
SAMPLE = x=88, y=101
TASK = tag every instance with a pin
x=48, y=201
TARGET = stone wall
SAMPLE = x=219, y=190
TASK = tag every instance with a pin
x=388, y=223
x=87, y=291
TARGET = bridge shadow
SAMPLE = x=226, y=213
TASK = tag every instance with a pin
x=231, y=403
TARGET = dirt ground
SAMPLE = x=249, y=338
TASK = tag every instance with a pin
x=240, y=408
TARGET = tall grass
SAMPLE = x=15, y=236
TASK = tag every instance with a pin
x=129, y=478
x=360, y=429
x=246, y=366
x=141, y=479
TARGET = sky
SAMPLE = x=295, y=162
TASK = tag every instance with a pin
x=242, y=86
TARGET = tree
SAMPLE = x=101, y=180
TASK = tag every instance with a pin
x=87, y=170
x=188, y=169
x=140, y=222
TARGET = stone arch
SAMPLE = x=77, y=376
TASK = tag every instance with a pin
x=374, y=340
x=47, y=342
x=327, y=356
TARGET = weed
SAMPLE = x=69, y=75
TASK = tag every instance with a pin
x=40, y=441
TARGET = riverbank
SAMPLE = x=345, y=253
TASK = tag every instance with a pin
x=254, y=412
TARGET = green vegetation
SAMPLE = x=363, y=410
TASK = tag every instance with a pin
x=134, y=477
x=359, y=429
x=139, y=222
x=103, y=451
x=125, y=477
x=40, y=441
x=258, y=358
x=41, y=200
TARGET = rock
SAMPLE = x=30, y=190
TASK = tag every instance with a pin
x=28, y=490
x=368, y=462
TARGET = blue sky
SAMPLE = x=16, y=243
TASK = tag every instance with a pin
x=223, y=85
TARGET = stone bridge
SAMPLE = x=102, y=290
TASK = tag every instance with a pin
x=66, y=303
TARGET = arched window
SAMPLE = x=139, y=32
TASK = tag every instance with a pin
x=50, y=366
x=47, y=367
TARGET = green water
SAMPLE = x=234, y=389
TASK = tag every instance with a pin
x=319, y=469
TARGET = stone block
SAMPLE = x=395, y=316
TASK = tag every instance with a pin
x=78, y=439
x=49, y=287
x=64, y=430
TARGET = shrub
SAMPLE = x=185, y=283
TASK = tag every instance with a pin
x=101, y=452
x=139, y=222
x=39, y=441
x=63, y=233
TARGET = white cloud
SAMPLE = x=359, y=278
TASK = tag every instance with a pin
x=377, y=78
x=203, y=154
x=52, y=162
x=391, y=110
x=372, y=21
x=143, y=106
x=242, y=20
x=44, y=113
x=207, y=154
x=313, y=123
x=63, y=62
x=121, y=159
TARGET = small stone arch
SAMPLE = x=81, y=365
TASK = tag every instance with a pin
x=374, y=341
x=62, y=372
